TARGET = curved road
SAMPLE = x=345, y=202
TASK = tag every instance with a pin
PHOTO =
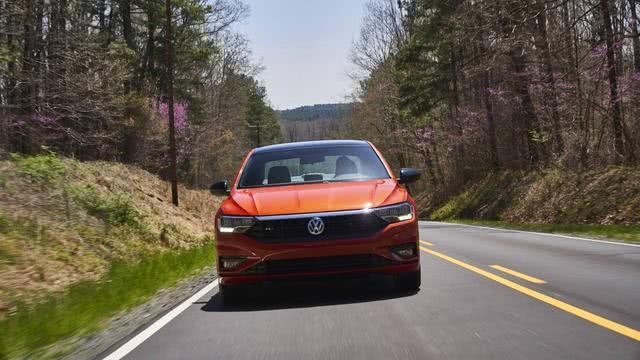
x=486, y=294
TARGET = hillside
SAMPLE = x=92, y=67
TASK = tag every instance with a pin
x=557, y=197
x=315, y=122
x=74, y=231
x=315, y=112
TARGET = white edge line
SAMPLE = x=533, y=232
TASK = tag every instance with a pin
x=539, y=233
x=125, y=349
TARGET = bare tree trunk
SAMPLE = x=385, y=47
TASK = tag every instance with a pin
x=27, y=57
x=127, y=29
x=109, y=29
x=437, y=170
x=6, y=100
x=568, y=31
x=428, y=161
x=149, y=64
x=635, y=37
x=459, y=146
x=616, y=112
x=536, y=152
x=102, y=6
x=172, y=129
x=581, y=112
x=10, y=86
x=549, y=79
x=483, y=83
x=39, y=54
x=635, y=40
x=525, y=120
x=616, y=14
x=491, y=125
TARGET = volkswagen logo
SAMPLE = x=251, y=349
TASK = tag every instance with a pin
x=315, y=226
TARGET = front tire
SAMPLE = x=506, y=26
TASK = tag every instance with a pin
x=409, y=281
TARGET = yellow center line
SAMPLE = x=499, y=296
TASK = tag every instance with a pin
x=426, y=242
x=519, y=274
x=598, y=320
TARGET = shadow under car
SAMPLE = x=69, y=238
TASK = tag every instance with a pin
x=309, y=292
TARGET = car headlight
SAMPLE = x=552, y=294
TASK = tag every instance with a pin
x=395, y=213
x=235, y=224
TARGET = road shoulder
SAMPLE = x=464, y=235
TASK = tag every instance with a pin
x=126, y=325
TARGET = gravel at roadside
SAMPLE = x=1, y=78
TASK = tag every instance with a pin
x=127, y=324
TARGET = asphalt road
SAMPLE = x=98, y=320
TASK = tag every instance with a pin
x=580, y=301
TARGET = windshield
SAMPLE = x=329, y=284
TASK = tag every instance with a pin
x=312, y=164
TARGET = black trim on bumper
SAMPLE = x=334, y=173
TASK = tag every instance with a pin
x=319, y=264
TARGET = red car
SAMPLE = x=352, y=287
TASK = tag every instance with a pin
x=316, y=208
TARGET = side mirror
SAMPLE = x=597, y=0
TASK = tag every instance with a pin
x=220, y=188
x=408, y=175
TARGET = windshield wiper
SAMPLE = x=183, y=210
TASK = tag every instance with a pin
x=327, y=181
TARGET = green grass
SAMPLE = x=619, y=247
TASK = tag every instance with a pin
x=86, y=307
x=45, y=169
x=486, y=198
x=628, y=233
x=114, y=209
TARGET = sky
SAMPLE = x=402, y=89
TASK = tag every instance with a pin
x=304, y=46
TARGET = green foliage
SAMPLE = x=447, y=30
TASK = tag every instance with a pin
x=27, y=228
x=262, y=115
x=44, y=169
x=86, y=306
x=540, y=137
x=6, y=252
x=4, y=224
x=422, y=66
x=115, y=209
x=486, y=198
x=5, y=55
x=453, y=207
x=120, y=53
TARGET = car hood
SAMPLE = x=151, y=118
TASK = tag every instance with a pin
x=322, y=197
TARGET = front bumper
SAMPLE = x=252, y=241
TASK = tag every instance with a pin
x=369, y=254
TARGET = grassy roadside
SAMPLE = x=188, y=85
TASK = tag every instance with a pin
x=626, y=233
x=83, y=241
x=87, y=306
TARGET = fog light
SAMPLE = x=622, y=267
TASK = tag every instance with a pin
x=230, y=263
x=405, y=250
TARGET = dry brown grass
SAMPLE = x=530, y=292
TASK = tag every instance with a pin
x=48, y=241
x=608, y=196
x=152, y=197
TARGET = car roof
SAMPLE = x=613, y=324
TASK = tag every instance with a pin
x=309, y=144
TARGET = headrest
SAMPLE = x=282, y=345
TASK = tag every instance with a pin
x=279, y=175
x=344, y=165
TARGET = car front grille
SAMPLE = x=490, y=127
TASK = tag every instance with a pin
x=336, y=227
x=319, y=264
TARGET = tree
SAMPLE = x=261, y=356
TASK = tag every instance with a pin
x=261, y=118
x=381, y=35
x=635, y=37
x=172, y=128
x=91, y=80
x=542, y=43
x=614, y=101
x=483, y=86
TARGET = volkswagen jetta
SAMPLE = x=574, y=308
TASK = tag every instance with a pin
x=316, y=208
